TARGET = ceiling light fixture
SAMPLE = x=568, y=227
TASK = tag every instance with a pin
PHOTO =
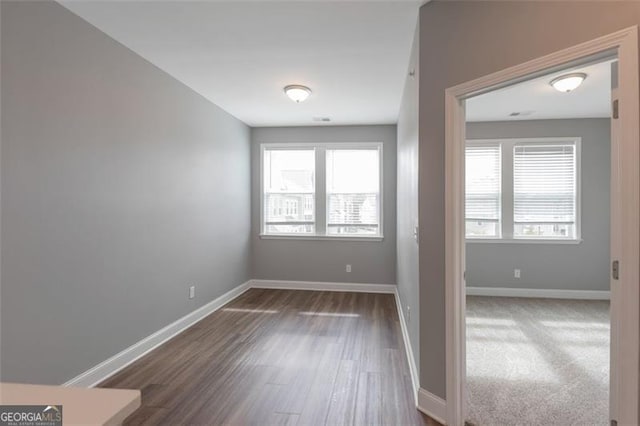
x=568, y=82
x=297, y=93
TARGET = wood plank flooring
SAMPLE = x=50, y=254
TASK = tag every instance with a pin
x=281, y=357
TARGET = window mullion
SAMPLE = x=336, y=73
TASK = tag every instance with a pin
x=507, y=190
x=321, y=191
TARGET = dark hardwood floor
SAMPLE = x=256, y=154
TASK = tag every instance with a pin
x=281, y=357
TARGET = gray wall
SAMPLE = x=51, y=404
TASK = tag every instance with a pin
x=584, y=266
x=407, y=208
x=120, y=188
x=461, y=41
x=322, y=260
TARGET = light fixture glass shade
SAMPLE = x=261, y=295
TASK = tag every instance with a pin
x=568, y=82
x=297, y=93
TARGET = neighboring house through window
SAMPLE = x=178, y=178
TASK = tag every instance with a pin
x=289, y=177
x=331, y=190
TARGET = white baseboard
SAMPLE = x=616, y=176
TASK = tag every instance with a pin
x=541, y=293
x=117, y=362
x=432, y=405
x=324, y=286
x=108, y=368
x=426, y=402
x=407, y=347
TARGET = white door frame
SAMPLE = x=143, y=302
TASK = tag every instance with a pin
x=625, y=221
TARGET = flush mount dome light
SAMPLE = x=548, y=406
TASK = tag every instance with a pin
x=568, y=82
x=297, y=93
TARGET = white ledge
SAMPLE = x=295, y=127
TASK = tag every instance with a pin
x=373, y=238
x=519, y=241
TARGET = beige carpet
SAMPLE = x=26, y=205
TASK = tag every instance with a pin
x=537, y=361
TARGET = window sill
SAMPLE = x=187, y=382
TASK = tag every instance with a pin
x=312, y=237
x=520, y=241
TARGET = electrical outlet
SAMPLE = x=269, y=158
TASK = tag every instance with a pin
x=192, y=292
x=348, y=268
x=516, y=273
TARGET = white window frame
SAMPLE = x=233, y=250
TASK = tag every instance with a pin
x=506, y=172
x=321, y=194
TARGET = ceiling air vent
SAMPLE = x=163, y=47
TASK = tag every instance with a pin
x=521, y=113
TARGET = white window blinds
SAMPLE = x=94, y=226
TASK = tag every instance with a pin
x=483, y=190
x=545, y=192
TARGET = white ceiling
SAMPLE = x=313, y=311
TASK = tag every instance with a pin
x=536, y=99
x=353, y=55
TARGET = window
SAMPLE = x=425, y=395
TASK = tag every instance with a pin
x=322, y=190
x=544, y=191
x=483, y=185
x=523, y=189
x=289, y=181
x=353, y=187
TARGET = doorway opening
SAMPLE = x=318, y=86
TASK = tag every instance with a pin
x=537, y=201
x=624, y=249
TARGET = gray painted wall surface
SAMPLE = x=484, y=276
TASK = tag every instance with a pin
x=321, y=260
x=584, y=266
x=407, y=209
x=120, y=187
x=461, y=41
